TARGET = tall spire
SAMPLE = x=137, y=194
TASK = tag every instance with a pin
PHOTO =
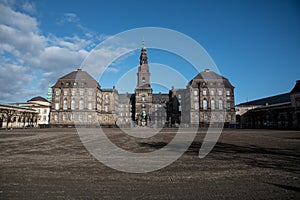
x=143, y=70
x=143, y=57
x=143, y=44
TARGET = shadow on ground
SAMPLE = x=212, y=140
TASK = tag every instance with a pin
x=279, y=159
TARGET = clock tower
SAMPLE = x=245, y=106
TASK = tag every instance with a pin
x=143, y=91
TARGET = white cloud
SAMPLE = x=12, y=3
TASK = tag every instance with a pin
x=70, y=17
x=17, y=20
x=20, y=42
x=30, y=60
x=29, y=7
x=13, y=79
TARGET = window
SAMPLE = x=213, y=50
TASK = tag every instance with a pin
x=229, y=117
x=90, y=105
x=143, y=80
x=65, y=105
x=212, y=92
x=222, y=117
x=89, y=118
x=214, y=117
x=56, y=106
x=220, y=93
x=57, y=92
x=56, y=118
x=228, y=98
x=73, y=104
x=65, y=92
x=195, y=92
x=196, y=105
x=64, y=117
x=81, y=92
x=228, y=105
x=227, y=92
x=179, y=96
x=196, y=116
x=204, y=104
x=220, y=104
x=81, y=104
x=106, y=108
x=44, y=118
x=121, y=114
x=80, y=117
x=213, y=105
x=90, y=92
x=143, y=99
x=72, y=117
x=73, y=92
x=106, y=97
x=45, y=111
x=205, y=117
x=204, y=92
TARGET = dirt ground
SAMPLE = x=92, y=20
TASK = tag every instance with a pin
x=245, y=164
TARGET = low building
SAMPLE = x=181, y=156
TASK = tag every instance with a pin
x=42, y=106
x=280, y=111
x=12, y=116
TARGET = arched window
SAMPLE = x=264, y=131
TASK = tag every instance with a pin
x=73, y=104
x=81, y=104
x=143, y=80
x=65, y=105
x=220, y=104
x=212, y=104
x=204, y=104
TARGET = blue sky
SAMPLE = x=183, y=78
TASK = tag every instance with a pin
x=255, y=44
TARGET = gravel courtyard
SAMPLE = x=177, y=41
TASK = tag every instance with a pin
x=244, y=164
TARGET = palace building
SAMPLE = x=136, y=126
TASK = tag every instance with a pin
x=78, y=99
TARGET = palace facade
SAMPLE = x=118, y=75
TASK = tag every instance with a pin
x=78, y=99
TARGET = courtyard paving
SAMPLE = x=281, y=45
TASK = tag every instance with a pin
x=244, y=164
